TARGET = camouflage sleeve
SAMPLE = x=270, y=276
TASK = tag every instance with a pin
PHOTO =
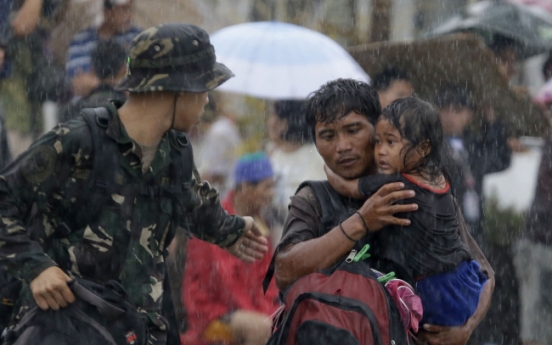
x=23, y=184
x=210, y=222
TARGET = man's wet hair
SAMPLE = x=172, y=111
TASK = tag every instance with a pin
x=293, y=112
x=383, y=80
x=110, y=4
x=108, y=58
x=337, y=98
x=500, y=42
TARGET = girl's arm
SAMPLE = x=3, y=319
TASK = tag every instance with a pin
x=342, y=186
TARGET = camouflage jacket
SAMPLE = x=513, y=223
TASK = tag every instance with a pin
x=53, y=172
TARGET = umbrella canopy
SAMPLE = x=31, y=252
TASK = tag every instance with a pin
x=275, y=60
x=462, y=60
x=529, y=26
x=546, y=4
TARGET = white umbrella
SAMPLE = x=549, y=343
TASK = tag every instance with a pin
x=276, y=60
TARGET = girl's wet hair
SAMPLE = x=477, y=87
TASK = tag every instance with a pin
x=418, y=122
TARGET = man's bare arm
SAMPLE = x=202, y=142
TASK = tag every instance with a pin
x=297, y=260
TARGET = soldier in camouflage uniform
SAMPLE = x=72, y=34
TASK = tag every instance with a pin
x=170, y=69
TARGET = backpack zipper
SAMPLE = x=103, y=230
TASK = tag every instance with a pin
x=351, y=256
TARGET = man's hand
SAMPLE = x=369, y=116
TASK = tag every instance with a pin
x=378, y=211
x=441, y=335
x=2, y=57
x=341, y=185
x=50, y=289
x=26, y=19
x=252, y=245
x=84, y=83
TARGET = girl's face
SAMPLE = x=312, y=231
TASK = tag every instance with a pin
x=390, y=149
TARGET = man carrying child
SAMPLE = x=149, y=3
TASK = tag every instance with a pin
x=342, y=115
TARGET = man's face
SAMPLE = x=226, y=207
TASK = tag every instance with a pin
x=259, y=195
x=263, y=192
x=346, y=145
x=455, y=119
x=396, y=90
x=119, y=17
x=189, y=108
x=276, y=127
x=507, y=58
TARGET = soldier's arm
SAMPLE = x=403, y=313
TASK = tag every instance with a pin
x=210, y=222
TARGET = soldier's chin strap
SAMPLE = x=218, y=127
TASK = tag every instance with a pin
x=174, y=109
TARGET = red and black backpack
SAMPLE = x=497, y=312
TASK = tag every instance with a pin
x=344, y=304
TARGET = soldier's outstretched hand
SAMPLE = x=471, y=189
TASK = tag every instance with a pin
x=50, y=289
x=252, y=245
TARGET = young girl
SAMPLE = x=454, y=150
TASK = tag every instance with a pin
x=409, y=148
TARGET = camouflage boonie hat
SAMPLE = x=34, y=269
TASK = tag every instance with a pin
x=173, y=57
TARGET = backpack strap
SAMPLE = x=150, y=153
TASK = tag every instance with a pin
x=183, y=157
x=331, y=205
x=181, y=179
x=333, y=212
x=105, y=152
x=100, y=178
x=105, y=308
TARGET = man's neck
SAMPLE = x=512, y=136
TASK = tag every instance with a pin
x=147, y=117
x=289, y=147
x=108, y=82
x=105, y=31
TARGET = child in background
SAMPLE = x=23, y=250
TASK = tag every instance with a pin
x=409, y=148
x=223, y=295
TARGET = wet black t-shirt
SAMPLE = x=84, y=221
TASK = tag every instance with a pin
x=431, y=244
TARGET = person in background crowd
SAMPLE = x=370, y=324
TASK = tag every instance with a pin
x=5, y=70
x=5, y=64
x=108, y=64
x=392, y=84
x=117, y=25
x=223, y=295
x=505, y=52
x=533, y=259
x=34, y=76
x=293, y=155
x=479, y=148
x=218, y=148
x=5, y=152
